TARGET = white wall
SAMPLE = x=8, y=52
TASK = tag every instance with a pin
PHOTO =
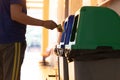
x=74, y=5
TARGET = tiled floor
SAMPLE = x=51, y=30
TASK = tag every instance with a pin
x=33, y=70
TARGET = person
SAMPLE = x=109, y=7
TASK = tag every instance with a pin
x=13, y=21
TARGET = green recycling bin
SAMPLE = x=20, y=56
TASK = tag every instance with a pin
x=97, y=34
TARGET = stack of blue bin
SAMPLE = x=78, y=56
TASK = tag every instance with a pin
x=65, y=35
x=63, y=65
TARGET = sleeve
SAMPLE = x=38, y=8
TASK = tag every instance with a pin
x=15, y=1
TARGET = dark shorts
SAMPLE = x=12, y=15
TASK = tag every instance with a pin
x=11, y=58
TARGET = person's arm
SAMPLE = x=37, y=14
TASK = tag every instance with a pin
x=19, y=16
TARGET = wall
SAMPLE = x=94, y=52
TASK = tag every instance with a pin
x=74, y=5
x=115, y=5
x=61, y=11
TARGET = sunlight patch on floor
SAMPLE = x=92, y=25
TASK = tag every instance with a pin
x=32, y=70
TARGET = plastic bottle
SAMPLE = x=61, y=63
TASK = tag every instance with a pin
x=59, y=28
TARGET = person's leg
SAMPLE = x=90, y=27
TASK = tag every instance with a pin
x=1, y=63
x=11, y=60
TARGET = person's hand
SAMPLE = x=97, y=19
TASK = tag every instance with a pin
x=60, y=27
x=49, y=24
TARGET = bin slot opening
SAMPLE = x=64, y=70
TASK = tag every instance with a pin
x=74, y=29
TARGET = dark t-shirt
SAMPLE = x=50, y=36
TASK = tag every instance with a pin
x=11, y=31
